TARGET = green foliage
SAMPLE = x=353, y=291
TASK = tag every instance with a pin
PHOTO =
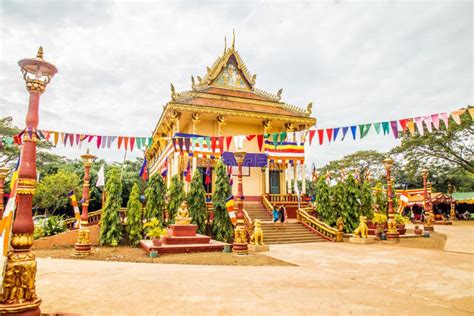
x=49, y=226
x=154, y=228
x=155, y=197
x=51, y=192
x=399, y=219
x=222, y=227
x=323, y=202
x=366, y=199
x=447, y=147
x=351, y=206
x=197, y=202
x=176, y=196
x=111, y=228
x=380, y=198
x=134, y=216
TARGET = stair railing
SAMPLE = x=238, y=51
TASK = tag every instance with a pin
x=267, y=204
x=323, y=229
x=249, y=226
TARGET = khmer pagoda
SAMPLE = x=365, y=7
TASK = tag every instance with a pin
x=225, y=111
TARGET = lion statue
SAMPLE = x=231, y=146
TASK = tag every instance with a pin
x=362, y=230
x=257, y=236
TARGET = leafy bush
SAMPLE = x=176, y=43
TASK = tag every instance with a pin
x=154, y=229
x=49, y=226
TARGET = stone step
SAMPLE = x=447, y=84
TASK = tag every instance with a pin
x=270, y=241
x=290, y=237
x=291, y=242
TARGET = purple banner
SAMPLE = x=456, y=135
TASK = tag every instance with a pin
x=251, y=159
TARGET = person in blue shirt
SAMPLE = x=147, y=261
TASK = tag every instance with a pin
x=276, y=215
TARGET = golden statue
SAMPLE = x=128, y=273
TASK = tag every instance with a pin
x=362, y=230
x=182, y=217
x=257, y=236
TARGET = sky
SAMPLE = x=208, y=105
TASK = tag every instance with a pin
x=358, y=62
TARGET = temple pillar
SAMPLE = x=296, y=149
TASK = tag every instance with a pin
x=303, y=179
x=288, y=180
x=240, y=246
x=196, y=117
x=267, y=180
x=295, y=176
x=175, y=164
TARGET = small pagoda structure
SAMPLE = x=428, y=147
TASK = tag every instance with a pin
x=223, y=104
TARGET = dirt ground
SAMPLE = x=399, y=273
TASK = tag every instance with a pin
x=128, y=254
x=436, y=241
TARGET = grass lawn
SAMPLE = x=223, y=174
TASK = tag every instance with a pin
x=128, y=254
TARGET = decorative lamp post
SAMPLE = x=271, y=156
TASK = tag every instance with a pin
x=427, y=203
x=240, y=246
x=19, y=290
x=452, y=212
x=392, y=233
x=83, y=245
x=3, y=175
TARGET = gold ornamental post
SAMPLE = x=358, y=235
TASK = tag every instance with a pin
x=429, y=216
x=240, y=245
x=452, y=212
x=19, y=289
x=83, y=245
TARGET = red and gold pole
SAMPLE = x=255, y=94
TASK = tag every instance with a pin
x=240, y=246
x=83, y=245
x=19, y=290
x=429, y=216
x=392, y=233
x=3, y=175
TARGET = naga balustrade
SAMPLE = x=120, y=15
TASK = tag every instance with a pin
x=94, y=218
x=249, y=226
x=316, y=225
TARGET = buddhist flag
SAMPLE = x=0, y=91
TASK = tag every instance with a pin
x=100, y=177
x=144, y=170
x=77, y=214
x=229, y=203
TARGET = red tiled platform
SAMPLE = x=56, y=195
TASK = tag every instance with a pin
x=183, y=230
x=213, y=245
x=186, y=240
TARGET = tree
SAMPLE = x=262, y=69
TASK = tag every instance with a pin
x=155, y=198
x=452, y=146
x=176, y=196
x=134, y=216
x=361, y=161
x=323, y=202
x=366, y=199
x=222, y=227
x=51, y=192
x=111, y=228
x=197, y=202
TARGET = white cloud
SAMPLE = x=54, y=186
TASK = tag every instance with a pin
x=358, y=62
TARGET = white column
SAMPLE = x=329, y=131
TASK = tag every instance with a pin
x=288, y=179
x=175, y=164
x=267, y=180
x=303, y=175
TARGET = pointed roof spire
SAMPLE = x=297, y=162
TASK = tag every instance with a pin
x=233, y=39
x=225, y=45
x=39, y=55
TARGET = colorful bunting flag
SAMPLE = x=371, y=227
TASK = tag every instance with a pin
x=336, y=131
x=329, y=133
x=419, y=125
x=354, y=131
x=344, y=132
x=321, y=136
x=394, y=126
x=377, y=127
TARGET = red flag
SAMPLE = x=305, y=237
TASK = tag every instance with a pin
x=403, y=124
x=228, y=140
x=71, y=139
x=125, y=143
x=250, y=137
x=120, y=139
x=132, y=143
x=221, y=144
x=260, y=142
x=321, y=136
x=99, y=140
x=329, y=133
x=78, y=138
x=213, y=144
x=311, y=135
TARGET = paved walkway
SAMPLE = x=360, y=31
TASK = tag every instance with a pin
x=335, y=279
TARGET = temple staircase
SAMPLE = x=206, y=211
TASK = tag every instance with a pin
x=294, y=232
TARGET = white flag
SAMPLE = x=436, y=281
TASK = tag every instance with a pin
x=100, y=177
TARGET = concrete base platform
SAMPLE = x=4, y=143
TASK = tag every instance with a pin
x=188, y=240
x=363, y=241
x=259, y=248
x=213, y=245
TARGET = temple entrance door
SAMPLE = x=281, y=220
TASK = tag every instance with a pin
x=274, y=181
x=207, y=187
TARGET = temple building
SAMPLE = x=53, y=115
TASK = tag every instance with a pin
x=224, y=112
